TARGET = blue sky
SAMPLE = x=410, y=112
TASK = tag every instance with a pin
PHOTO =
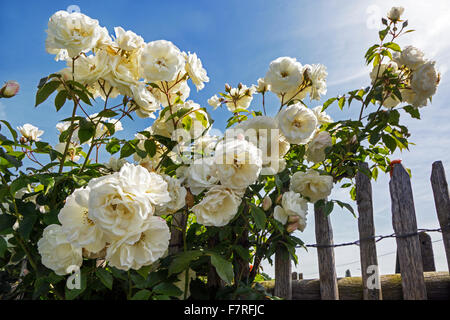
x=236, y=40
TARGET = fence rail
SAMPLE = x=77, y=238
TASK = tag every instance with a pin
x=414, y=253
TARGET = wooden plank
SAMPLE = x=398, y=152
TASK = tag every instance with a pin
x=405, y=227
x=294, y=276
x=283, y=277
x=327, y=270
x=367, y=248
x=442, y=202
x=426, y=249
x=437, y=284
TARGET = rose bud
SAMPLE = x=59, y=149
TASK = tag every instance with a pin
x=267, y=203
x=9, y=89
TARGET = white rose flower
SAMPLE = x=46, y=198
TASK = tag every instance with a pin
x=206, y=144
x=160, y=60
x=394, y=13
x=312, y=185
x=201, y=175
x=317, y=73
x=134, y=251
x=177, y=197
x=56, y=252
x=322, y=116
x=62, y=126
x=146, y=102
x=74, y=32
x=124, y=74
x=297, y=123
x=237, y=163
x=315, y=151
x=411, y=57
x=292, y=204
x=81, y=231
x=263, y=132
x=30, y=132
x=195, y=70
x=240, y=98
x=285, y=74
x=218, y=207
x=262, y=86
x=424, y=82
x=115, y=164
x=127, y=40
x=88, y=70
x=214, y=101
x=121, y=203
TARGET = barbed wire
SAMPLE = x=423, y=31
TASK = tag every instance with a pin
x=376, y=238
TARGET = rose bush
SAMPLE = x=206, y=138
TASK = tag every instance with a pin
x=179, y=213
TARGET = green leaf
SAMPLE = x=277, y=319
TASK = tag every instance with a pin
x=127, y=150
x=187, y=123
x=13, y=132
x=414, y=112
x=150, y=147
x=86, y=130
x=327, y=103
x=383, y=33
x=142, y=295
x=106, y=114
x=26, y=225
x=168, y=289
x=389, y=142
x=44, y=92
x=259, y=216
x=341, y=102
x=113, y=146
x=328, y=208
x=242, y=252
x=223, y=267
x=200, y=116
x=60, y=99
x=182, y=261
x=393, y=46
x=105, y=277
x=6, y=222
x=346, y=206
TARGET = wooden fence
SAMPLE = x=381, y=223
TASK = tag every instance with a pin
x=414, y=283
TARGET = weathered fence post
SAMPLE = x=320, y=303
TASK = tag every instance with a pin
x=283, y=277
x=325, y=253
x=294, y=276
x=442, y=202
x=426, y=250
x=367, y=245
x=176, y=235
x=408, y=244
